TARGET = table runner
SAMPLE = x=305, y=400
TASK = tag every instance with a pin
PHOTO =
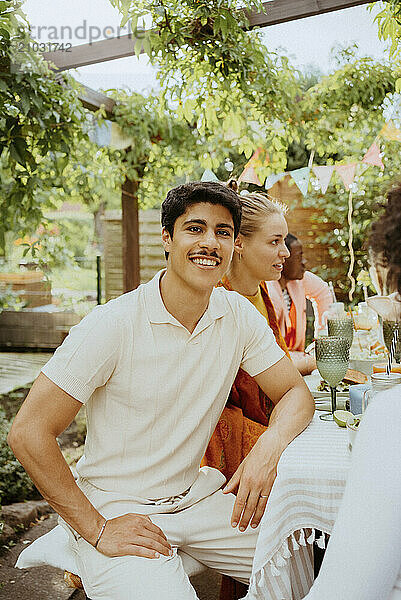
x=305, y=497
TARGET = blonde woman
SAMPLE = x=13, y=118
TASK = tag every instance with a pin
x=259, y=255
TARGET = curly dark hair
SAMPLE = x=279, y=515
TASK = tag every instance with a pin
x=385, y=237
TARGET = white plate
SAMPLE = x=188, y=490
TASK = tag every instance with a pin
x=323, y=404
x=323, y=395
x=313, y=381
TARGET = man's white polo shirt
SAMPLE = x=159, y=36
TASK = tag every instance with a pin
x=153, y=391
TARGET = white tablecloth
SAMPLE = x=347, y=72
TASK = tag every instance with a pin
x=305, y=497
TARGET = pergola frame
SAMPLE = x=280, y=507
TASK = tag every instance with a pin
x=275, y=12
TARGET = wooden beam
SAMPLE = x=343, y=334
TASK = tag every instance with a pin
x=130, y=226
x=275, y=12
x=91, y=54
x=282, y=11
x=93, y=100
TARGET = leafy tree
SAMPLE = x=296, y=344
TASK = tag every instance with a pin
x=167, y=148
x=343, y=113
x=39, y=114
x=91, y=177
x=346, y=106
x=217, y=74
x=388, y=20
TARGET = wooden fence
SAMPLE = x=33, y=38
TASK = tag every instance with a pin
x=300, y=222
x=151, y=250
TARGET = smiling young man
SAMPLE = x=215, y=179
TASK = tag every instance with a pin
x=154, y=369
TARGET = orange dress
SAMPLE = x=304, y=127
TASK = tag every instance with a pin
x=243, y=420
x=247, y=412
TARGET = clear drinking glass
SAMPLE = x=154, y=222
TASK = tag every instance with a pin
x=332, y=356
x=343, y=327
x=388, y=332
x=380, y=383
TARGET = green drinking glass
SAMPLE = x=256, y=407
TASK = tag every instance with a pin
x=388, y=332
x=332, y=356
x=343, y=328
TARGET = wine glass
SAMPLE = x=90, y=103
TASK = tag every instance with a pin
x=388, y=332
x=343, y=327
x=332, y=355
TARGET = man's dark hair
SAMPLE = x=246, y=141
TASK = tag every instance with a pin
x=289, y=240
x=181, y=197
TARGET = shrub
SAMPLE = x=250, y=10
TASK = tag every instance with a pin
x=15, y=484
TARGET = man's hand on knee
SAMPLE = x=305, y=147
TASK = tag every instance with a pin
x=133, y=534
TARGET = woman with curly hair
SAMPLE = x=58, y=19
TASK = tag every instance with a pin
x=363, y=559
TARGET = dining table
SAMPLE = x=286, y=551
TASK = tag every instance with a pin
x=301, y=509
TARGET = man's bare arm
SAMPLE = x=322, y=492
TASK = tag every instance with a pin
x=294, y=408
x=46, y=412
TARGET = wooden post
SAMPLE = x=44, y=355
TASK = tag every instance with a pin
x=130, y=227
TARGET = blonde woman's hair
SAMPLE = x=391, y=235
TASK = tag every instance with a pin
x=255, y=208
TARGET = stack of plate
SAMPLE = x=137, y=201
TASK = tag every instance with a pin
x=323, y=399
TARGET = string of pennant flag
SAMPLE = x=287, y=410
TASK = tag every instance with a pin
x=323, y=173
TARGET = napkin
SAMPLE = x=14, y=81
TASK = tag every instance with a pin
x=387, y=307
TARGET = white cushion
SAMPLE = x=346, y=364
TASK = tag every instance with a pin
x=54, y=549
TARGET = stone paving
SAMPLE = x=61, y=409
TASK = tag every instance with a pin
x=19, y=369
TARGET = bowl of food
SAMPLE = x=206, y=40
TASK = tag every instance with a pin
x=352, y=425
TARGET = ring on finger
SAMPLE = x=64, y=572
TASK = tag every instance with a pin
x=262, y=496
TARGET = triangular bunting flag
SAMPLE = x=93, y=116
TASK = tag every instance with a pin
x=208, y=175
x=372, y=156
x=301, y=178
x=272, y=179
x=347, y=173
x=390, y=132
x=259, y=158
x=249, y=176
x=110, y=134
x=119, y=140
x=100, y=134
x=324, y=174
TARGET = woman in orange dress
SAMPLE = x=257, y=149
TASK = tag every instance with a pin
x=259, y=256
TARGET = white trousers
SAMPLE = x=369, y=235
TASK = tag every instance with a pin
x=198, y=525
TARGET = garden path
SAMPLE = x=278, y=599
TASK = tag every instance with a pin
x=19, y=369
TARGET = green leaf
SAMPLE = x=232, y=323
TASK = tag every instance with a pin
x=138, y=47
x=4, y=34
x=146, y=45
x=26, y=105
